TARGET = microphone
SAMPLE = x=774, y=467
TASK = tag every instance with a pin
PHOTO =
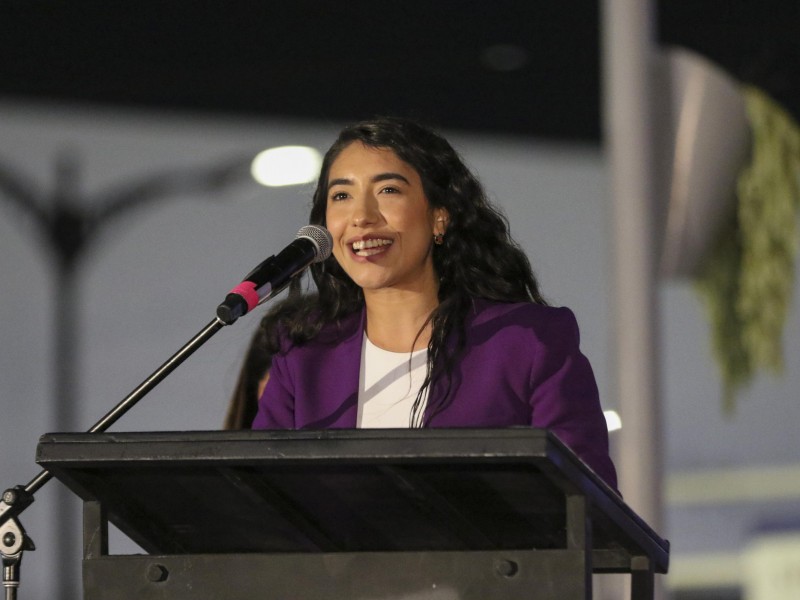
x=313, y=244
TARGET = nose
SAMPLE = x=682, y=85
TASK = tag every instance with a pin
x=365, y=211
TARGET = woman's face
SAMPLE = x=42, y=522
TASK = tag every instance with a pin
x=381, y=222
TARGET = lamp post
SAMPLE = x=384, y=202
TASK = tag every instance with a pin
x=68, y=224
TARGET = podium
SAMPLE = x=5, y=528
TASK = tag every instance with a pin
x=349, y=514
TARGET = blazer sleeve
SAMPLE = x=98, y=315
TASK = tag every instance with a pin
x=565, y=398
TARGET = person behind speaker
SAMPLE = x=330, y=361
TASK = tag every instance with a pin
x=250, y=383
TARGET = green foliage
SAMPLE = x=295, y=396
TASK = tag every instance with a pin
x=748, y=278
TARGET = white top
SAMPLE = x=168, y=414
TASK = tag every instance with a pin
x=386, y=388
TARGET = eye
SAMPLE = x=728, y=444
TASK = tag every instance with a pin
x=390, y=189
x=338, y=196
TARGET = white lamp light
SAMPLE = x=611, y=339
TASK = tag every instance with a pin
x=286, y=165
x=613, y=422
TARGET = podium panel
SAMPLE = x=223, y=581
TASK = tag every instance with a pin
x=421, y=576
x=473, y=513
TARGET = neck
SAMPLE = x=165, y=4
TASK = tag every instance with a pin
x=395, y=318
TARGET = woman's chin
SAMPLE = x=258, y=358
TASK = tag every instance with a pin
x=369, y=284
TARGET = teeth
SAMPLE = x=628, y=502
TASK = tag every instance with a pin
x=367, y=244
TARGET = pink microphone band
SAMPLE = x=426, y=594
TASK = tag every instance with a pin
x=247, y=290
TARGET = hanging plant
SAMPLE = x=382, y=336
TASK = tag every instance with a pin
x=748, y=277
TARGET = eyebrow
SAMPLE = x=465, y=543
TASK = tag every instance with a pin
x=374, y=179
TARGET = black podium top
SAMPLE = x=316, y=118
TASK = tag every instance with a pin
x=346, y=491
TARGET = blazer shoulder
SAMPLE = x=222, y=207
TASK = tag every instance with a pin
x=330, y=335
x=521, y=313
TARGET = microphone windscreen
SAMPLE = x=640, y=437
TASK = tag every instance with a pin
x=321, y=238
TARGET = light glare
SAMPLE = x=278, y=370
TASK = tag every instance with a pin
x=613, y=422
x=286, y=165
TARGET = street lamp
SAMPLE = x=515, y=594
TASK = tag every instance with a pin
x=68, y=223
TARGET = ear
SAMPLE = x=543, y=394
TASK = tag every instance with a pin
x=440, y=220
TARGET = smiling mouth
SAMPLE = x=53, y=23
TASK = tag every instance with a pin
x=371, y=247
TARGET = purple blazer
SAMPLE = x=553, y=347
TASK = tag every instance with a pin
x=521, y=366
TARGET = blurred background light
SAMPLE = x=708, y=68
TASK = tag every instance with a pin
x=505, y=57
x=286, y=165
x=613, y=422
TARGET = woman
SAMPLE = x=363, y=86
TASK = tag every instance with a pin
x=253, y=377
x=427, y=313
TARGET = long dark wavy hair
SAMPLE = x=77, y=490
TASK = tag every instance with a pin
x=477, y=259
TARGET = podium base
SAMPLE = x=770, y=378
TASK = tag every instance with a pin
x=500, y=575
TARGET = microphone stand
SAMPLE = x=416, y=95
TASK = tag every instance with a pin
x=13, y=539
